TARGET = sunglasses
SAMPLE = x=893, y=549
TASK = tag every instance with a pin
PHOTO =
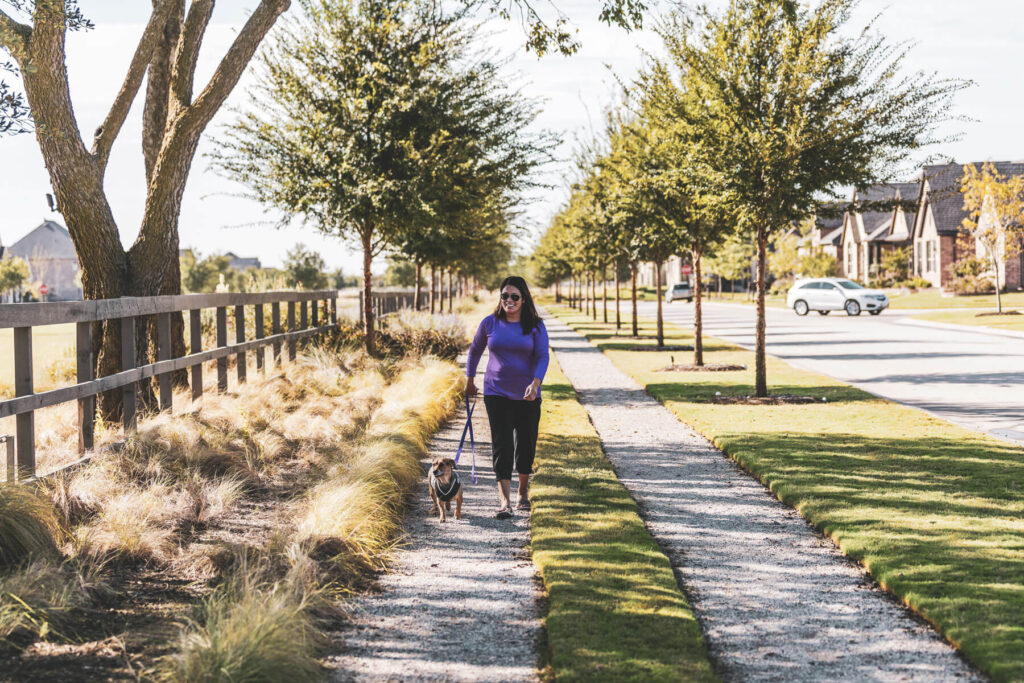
x=505, y=296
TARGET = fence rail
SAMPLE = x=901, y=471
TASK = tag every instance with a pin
x=312, y=320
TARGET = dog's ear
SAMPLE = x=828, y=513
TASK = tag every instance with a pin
x=450, y=462
x=437, y=461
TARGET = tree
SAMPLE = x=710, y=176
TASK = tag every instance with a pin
x=304, y=268
x=995, y=215
x=819, y=264
x=895, y=267
x=401, y=272
x=732, y=259
x=353, y=143
x=14, y=275
x=795, y=106
x=174, y=118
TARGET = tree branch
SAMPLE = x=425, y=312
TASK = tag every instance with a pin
x=14, y=36
x=111, y=126
x=184, y=72
x=236, y=60
x=158, y=87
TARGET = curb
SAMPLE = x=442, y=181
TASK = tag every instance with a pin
x=976, y=329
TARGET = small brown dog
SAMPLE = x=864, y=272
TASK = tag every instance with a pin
x=444, y=485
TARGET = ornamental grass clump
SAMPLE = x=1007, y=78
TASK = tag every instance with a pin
x=251, y=628
x=29, y=527
x=35, y=598
x=421, y=333
x=353, y=517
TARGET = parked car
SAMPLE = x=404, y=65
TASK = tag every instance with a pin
x=827, y=294
x=680, y=290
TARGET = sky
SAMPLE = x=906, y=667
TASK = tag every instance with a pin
x=978, y=41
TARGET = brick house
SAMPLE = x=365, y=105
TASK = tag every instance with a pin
x=938, y=228
x=869, y=234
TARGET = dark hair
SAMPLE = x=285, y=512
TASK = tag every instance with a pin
x=528, y=316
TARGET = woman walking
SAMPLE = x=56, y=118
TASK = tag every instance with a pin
x=517, y=343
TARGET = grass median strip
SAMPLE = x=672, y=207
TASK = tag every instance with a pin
x=934, y=511
x=615, y=611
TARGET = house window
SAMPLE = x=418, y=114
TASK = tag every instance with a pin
x=849, y=260
x=930, y=256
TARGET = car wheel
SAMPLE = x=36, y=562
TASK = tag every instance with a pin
x=824, y=312
x=801, y=307
x=852, y=307
x=875, y=312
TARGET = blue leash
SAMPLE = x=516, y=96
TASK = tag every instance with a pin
x=472, y=442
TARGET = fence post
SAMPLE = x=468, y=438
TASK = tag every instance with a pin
x=314, y=312
x=291, y=328
x=25, y=429
x=128, y=392
x=258, y=334
x=87, y=405
x=163, y=352
x=239, y=338
x=303, y=319
x=196, y=334
x=275, y=329
x=222, y=341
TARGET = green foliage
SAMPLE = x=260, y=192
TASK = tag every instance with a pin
x=304, y=268
x=35, y=598
x=784, y=261
x=894, y=268
x=401, y=272
x=14, y=274
x=971, y=275
x=819, y=264
x=202, y=273
x=732, y=260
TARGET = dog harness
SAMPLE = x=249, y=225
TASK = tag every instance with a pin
x=445, y=494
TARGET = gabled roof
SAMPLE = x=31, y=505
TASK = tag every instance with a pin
x=48, y=240
x=833, y=238
x=878, y=222
x=942, y=192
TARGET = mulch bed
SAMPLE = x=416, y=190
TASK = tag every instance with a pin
x=708, y=367
x=681, y=347
x=987, y=313
x=777, y=400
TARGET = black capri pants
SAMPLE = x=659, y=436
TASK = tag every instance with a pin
x=513, y=434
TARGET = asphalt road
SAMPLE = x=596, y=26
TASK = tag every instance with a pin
x=972, y=378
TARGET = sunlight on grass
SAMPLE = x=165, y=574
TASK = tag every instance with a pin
x=615, y=610
x=934, y=511
x=969, y=317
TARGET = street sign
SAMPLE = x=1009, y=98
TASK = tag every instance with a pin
x=43, y=290
x=687, y=269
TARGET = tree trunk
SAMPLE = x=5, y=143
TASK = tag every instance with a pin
x=433, y=280
x=368, y=331
x=558, y=291
x=604, y=296
x=657, y=294
x=698, y=321
x=451, y=292
x=618, y=313
x=995, y=266
x=636, y=328
x=419, y=284
x=760, y=369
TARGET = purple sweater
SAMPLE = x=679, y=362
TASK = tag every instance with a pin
x=515, y=358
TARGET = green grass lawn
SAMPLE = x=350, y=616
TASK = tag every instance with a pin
x=615, y=611
x=49, y=343
x=970, y=317
x=934, y=511
x=933, y=298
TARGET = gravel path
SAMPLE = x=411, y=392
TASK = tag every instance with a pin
x=776, y=600
x=461, y=601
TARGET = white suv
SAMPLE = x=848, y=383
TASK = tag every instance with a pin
x=827, y=294
x=679, y=291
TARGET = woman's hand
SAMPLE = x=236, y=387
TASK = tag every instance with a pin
x=471, y=389
x=532, y=390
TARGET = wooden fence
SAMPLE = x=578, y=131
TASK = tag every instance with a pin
x=308, y=314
